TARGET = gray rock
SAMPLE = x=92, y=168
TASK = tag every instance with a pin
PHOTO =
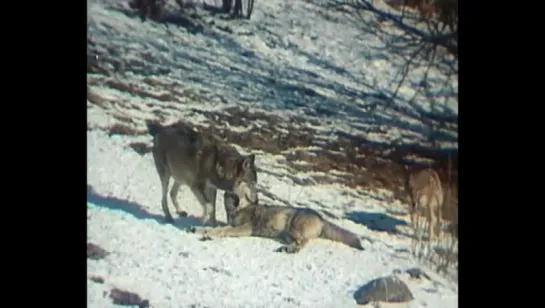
x=417, y=273
x=385, y=289
x=126, y=298
x=95, y=252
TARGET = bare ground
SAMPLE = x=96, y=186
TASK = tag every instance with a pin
x=351, y=160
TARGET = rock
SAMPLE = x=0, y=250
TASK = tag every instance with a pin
x=417, y=273
x=95, y=252
x=126, y=298
x=97, y=279
x=388, y=289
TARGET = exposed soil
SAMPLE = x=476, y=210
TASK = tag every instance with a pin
x=365, y=165
x=359, y=163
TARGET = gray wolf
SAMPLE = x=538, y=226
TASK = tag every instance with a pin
x=205, y=164
x=297, y=225
x=425, y=191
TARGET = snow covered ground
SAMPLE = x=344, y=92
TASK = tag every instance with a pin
x=288, y=59
x=173, y=268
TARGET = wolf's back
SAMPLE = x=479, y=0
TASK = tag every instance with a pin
x=333, y=232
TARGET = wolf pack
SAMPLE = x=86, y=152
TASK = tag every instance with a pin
x=206, y=163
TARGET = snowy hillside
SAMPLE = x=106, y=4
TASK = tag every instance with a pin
x=284, y=85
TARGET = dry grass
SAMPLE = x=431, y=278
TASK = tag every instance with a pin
x=96, y=99
x=445, y=11
x=443, y=252
x=135, y=90
x=361, y=164
x=126, y=130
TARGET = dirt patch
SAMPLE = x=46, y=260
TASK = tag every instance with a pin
x=93, y=65
x=361, y=163
x=358, y=163
x=96, y=99
x=265, y=132
x=133, y=89
x=123, y=129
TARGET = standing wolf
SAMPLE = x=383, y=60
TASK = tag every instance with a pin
x=425, y=191
x=298, y=224
x=205, y=164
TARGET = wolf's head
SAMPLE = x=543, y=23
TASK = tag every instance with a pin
x=245, y=183
x=403, y=192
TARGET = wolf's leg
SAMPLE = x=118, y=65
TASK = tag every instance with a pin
x=415, y=222
x=202, y=193
x=210, y=205
x=420, y=222
x=439, y=217
x=173, y=194
x=229, y=204
x=164, y=175
x=227, y=231
x=164, y=202
x=432, y=222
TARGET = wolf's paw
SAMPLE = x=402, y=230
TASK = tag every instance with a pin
x=182, y=213
x=191, y=230
x=198, y=230
x=288, y=249
x=281, y=249
x=201, y=231
x=205, y=238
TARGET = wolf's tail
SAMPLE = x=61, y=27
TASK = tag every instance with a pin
x=153, y=127
x=338, y=234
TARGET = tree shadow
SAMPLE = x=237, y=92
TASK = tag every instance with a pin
x=366, y=109
x=137, y=210
x=276, y=84
x=376, y=221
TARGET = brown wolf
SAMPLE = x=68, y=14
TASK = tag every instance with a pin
x=205, y=164
x=296, y=224
x=425, y=191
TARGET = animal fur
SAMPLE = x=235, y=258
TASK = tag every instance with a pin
x=425, y=191
x=205, y=164
x=300, y=225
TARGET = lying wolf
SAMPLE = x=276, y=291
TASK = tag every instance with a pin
x=205, y=164
x=297, y=224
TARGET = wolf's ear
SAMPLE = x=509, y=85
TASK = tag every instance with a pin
x=248, y=162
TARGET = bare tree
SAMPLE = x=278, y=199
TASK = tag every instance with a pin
x=147, y=8
x=226, y=5
x=237, y=10
x=424, y=37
